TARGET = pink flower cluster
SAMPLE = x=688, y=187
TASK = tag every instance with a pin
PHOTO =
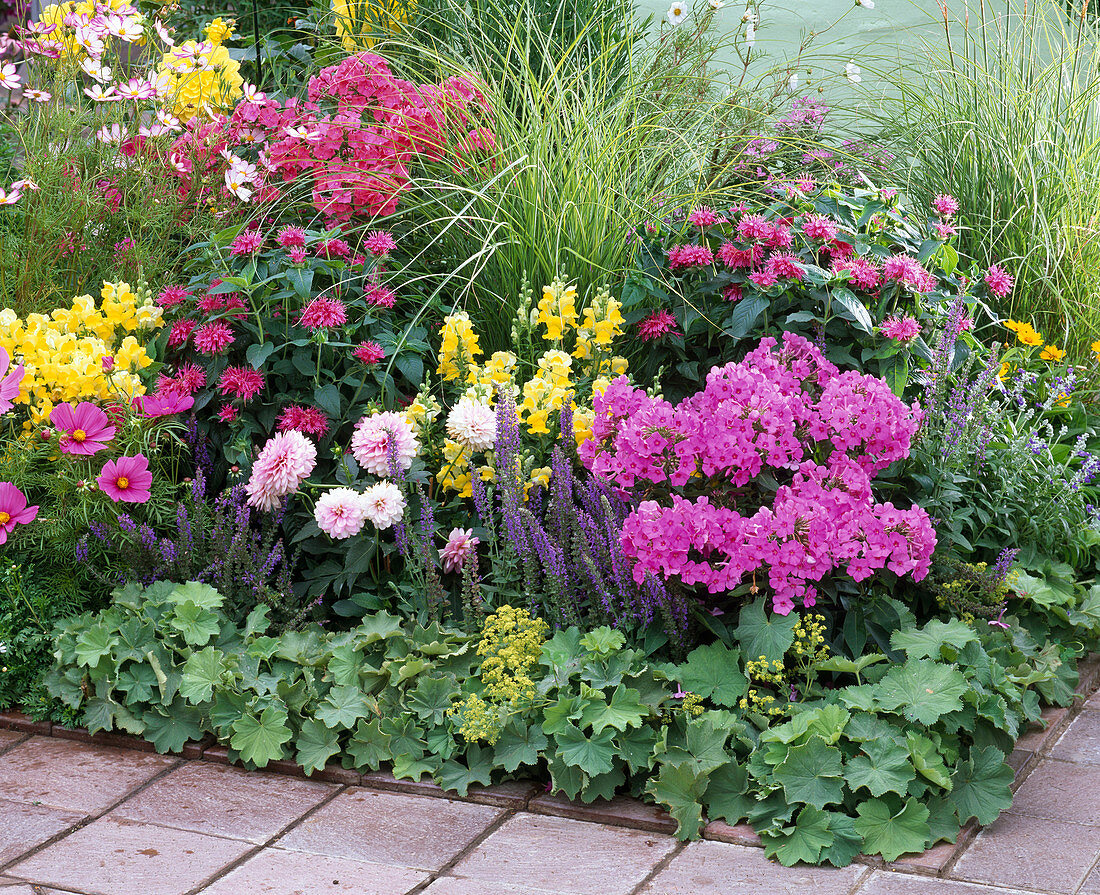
x=352, y=140
x=784, y=410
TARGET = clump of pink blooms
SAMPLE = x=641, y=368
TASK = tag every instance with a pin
x=381, y=438
x=323, y=311
x=946, y=205
x=901, y=329
x=283, y=464
x=310, y=420
x=461, y=545
x=340, y=513
x=656, y=325
x=352, y=140
x=369, y=353
x=999, y=282
x=785, y=411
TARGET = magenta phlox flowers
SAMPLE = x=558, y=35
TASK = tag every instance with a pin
x=786, y=411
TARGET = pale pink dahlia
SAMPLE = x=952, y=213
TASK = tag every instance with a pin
x=340, y=513
x=323, y=311
x=284, y=463
x=371, y=442
x=901, y=329
x=384, y=504
x=461, y=543
x=473, y=424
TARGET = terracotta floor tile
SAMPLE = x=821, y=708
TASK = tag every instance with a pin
x=9, y=738
x=224, y=801
x=1035, y=739
x=23, y=827
x=882, y=883
x=1081, y=741
x=562, y=855
x=620, y=811
x=277, y=872
x=716, y=868
x=1030, y=853
x=391, y=828
x=1058, y=790
x=453, y=885
x=1091, y=885
x=76, y=776
x=119, y=857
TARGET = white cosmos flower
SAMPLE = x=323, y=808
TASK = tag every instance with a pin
x=252, y=94
x=715, y=4
x=95, y=71
x=236, y=184
x=9, y=80
x=37, y=96
x=164, y=34
x=100, y=95
x=110, y=133
x=11, y=198
x=851, y=71
x=677, y=12
x=866, y=4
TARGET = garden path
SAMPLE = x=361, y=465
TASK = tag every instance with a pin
x=79, y=815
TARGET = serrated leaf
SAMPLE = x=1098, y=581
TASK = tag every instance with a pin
x=202, y=595
x=603, y=641
x=195, y=624
x=680, y=789
x=812, y=773
x=565, y=778
x=761, y=633
x=922, y=690
x=413, y=767
x=726, y=796
x=847, y=843
x=431, y=698
x=635, y=747
x=714, y=672
x=380, y=626
x=168, y=733
x=980, y=786
x=927, y=759
x=883, y=767
x=803, y=841
x=316, y=744
x=892, y=835
x=93, y=643
x=519, y=744
x=369, y=746
x=928, y=642
x=137, y=681
x=260, y=738
x=704, y=746
x=624, y=710
x=342, y=707
x=557, y=715
x=592, y=755
x=458, y=777
x=202, y=672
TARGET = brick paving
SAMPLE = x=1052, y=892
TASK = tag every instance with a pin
x=84, y=816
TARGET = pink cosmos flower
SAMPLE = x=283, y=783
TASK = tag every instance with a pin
x=369, y=353
x=656, y=325
x=85, y=430
x=371, y=442
x=310, y=420
x=461, y=543
x=379, y=243
x=385, y=504
x=1000, y=283
x=291, y=238
x=284, y=463
x=170, y=296
x=901, y=329
x=247, y=242
x=241, y=382
x=946, y=205
x=323, y=311
x=10, y=377
x=126, y=479
x=340, y=513
x=213, y=338
x=13, y=510
x=152, y=406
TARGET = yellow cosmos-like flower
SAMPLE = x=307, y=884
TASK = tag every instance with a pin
x=1052, y=353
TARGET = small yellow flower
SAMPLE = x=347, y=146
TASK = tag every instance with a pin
x=1052, y=353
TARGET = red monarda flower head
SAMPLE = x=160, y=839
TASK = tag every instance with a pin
x=241, y=382
x=126, y=479
x=379, y=243
x=171, y=296
x=291, y=238
x=656, y=325
x=13, y=510
x=180, y=333
x=247, y=242
x=84, y=430
x=369, y=353
x=323, y=311
x=213, y=338
x=309, y=420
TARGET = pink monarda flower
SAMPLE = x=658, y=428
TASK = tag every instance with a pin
x=703, y=216
x=340, y=513
x=227, y=413
x=369, y=353
x=461, y=544
x=656, y=325
x=166, y=404
x=323, y=311
x=689, y=255
x=865, y=275
x=944, y=230
x=763, y=279
x=213, y=338
x=126, y=479
x=208, y=304
x=241, y=382
x=379, y=296
x=752, y=227
x=170, y=296
x=284, y=463
x=247, y=242
x=180, y=333
x=189, y=379
x=310, y=420
x=819, y=228
x=296, y=254
x=732, y=293
x=10, y=378
x=946, y=205
x=291, y=238
x=731, y=256
x=84, y=430
x=379, y=243
x=13, y=510
x=371, y=442
x=1000, y=283
x=901, y=329
x=384, y=504
x=333, y=248
x=786, y=266
x=473, y=424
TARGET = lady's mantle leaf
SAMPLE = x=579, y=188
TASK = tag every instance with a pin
x=892, y=835
x=922, y=690
x=981, y=786
x=812, y=773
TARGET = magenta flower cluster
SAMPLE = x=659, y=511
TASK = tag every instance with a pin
x=785, y=411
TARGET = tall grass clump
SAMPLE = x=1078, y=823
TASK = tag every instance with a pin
x=1006, y=118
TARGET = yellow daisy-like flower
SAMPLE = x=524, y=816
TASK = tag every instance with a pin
x=1027, y=335
x=1095, y=346
x=1052, y=353
x=1013, y=326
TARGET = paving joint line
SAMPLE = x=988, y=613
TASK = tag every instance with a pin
x=267, y=843
x=19, y=742
x=677, y=849
x=474, y=844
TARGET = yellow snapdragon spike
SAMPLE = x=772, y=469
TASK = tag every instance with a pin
x=358, y=20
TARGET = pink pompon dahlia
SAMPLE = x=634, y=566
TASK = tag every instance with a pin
x=13, y=510
x=126, y=479
x=247, y=242
x=1000, y=283
x=241, y=382
x=461, y=543
x=378, y=436
x=379, y=243
x=385, y=504
x=84, y=431
x=291, y=238
x=213, y=338
x=946, y=205
x=656, y=325
x=901, y=329
x=310, y=420
x=369, y=353
x=283, y=464
x=323, y=311
x=10, y=378
x=340, y=513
